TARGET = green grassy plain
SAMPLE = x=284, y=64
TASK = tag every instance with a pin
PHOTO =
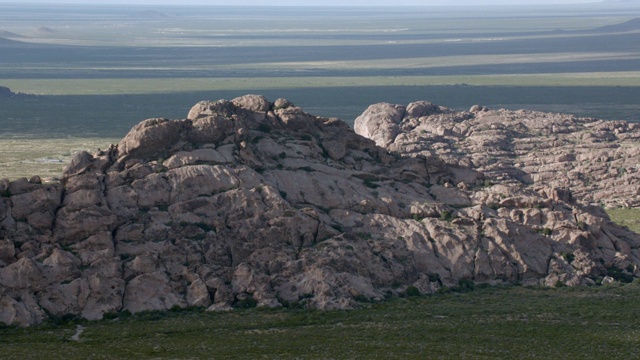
x=487, y=323
x=629, y=217
x=169, y=85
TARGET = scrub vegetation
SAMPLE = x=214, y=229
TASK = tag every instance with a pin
x=598, y=322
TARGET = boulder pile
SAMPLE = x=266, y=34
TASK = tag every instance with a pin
x=253, y=203
x=597, y=160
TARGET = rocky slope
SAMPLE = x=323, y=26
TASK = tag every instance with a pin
x=250, y=202
x=597, y=160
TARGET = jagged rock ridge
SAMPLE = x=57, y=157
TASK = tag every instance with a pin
x=251, y=201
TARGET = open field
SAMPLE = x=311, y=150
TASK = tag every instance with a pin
x=626, y=217
x=487, y=323
x=44, y=157
x=102, y=69
x=113, y=115
x=169, y=85
x=136, y=62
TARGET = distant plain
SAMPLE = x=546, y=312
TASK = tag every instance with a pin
x=89, y=73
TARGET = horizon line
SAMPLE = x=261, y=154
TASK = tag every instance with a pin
x=306, y=5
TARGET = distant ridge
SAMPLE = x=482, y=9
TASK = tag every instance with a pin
x=149, y=14
x=45, y=30
x=6, y=92
x=631, y=25
x=9, y=34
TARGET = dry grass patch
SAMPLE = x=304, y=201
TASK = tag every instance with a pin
x=43, y=157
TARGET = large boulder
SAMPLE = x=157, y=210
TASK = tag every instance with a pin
x=151, y=139
x=380, y=123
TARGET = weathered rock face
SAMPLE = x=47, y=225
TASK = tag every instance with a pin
x=598, y=161
x=248, y=201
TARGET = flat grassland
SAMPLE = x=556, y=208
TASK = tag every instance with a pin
x=95, y=71
x=487, y=323
x=44, y=157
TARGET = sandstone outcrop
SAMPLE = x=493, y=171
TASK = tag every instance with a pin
x=248, y=202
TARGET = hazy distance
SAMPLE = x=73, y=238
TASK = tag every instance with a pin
x=312, y=3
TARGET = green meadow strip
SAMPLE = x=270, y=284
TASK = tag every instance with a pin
x=599, y=322
x=172, y=85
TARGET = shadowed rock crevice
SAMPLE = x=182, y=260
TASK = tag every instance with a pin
x=252, y=203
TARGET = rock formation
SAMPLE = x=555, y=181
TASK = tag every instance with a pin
x=597, y=160
x=252, y=202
